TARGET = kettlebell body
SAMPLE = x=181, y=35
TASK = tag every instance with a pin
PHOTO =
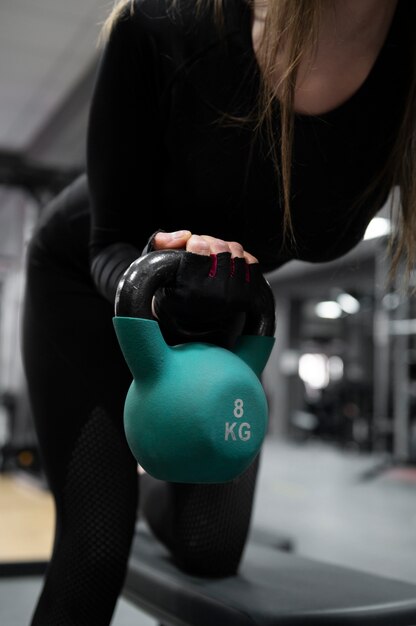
x=195, y=412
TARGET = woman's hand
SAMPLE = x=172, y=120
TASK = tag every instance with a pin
x=212, y=289
x=200, y=244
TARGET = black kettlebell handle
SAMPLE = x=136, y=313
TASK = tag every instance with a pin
x=158, y=269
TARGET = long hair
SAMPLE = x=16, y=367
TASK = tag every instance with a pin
x=112, y=17
x=291, y=30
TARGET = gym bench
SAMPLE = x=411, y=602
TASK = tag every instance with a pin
x=272, y=588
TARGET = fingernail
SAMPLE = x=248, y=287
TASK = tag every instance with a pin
x=178, y=234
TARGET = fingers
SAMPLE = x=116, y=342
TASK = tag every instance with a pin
x=201, y=244
x=198, y=245
x=237, y=250
x=176, y=240
x=250, y=258
x=205, y=244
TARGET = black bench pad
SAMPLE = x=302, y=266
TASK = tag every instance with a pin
x=272, y=588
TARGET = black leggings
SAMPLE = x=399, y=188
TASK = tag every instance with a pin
x=77, y=381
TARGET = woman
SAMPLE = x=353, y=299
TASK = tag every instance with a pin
x=263, y=130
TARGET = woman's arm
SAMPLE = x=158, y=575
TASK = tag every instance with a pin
x=123, y=148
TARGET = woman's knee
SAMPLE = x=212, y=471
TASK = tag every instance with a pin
x=215, y=556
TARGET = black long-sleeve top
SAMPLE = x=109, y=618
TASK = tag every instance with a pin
x=159, y=155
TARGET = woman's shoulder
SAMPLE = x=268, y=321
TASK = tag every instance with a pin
x=167, y=19
x=146, y=26
x=172, y=34
x=151, y=15
x=163, y=16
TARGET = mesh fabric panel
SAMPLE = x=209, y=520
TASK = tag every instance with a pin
x=95, y=525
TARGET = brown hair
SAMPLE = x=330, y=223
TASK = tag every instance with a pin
x=116, y=11
x=295, y=23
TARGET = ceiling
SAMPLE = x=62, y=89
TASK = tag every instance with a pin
x=48, y=58
x=48, y=54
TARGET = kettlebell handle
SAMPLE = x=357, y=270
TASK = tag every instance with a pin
x=158, y=269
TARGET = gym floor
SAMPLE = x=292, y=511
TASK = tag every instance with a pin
x=343, y=507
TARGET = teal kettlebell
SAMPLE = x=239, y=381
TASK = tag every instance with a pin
x=195, y=412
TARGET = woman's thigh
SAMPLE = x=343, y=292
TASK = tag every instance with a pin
x=71, y=356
